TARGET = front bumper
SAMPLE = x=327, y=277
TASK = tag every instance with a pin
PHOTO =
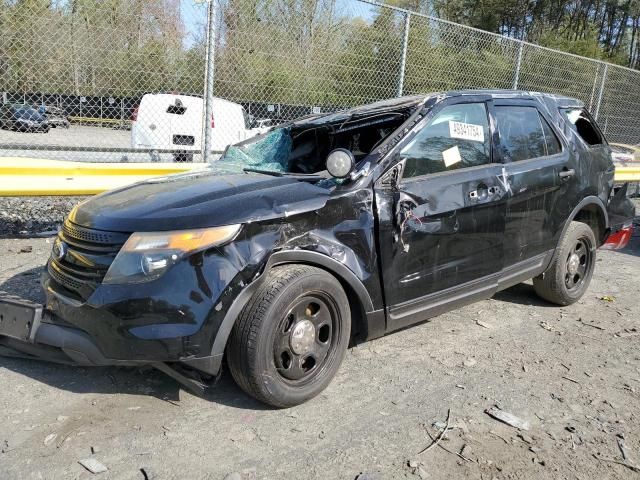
x=26, y=330
x=174, y=320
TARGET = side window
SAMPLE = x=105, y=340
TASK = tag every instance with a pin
x=524, y=134
x=581, y=122
x=177, y=108
x=457, y=137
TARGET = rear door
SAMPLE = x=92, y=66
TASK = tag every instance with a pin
x=441, y=210
x=539, y=172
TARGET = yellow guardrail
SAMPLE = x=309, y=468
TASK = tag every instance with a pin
x=109, y=121
x=627, y=174
x=41, y=177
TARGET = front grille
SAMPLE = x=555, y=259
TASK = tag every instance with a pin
x=87, y=255
x=76, y=232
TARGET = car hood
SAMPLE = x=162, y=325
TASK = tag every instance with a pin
x=198, y=200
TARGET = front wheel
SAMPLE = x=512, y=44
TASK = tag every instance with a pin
x=291, y=337
x=568, y=277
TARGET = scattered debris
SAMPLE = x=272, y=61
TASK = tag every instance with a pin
x=546, y=326
x=607, y=298
x=592, y=325
x=147, y=473
x=499, y=436
x=440, y=436
x=622, y=447
x=95, y=450
x=421, y=472
x=93, y=465
x=483, y=324
x=525, y=438
x=507, y=418
x=571, y=379
x=364, y=476
x=49, y=439
x=26, y=249
x=630, y=466
x=469, y=362
x=462, y=387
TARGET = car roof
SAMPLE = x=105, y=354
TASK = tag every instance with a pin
x=549, y=100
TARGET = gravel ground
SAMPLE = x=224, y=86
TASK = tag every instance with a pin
x=32, y=215
x=573, y=373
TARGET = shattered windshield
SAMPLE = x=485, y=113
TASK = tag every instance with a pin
x=301, y=148
x=270, y=152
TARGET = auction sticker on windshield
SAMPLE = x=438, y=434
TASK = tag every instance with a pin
x=466, y=131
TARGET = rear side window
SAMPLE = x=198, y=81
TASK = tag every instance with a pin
x=457, y=137
x=177, y=108
x=525, y=134
x=581, y=122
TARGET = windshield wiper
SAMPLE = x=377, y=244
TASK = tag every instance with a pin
x=309, y=177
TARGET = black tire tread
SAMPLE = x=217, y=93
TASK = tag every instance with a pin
x=550, y=285
x=244, y=336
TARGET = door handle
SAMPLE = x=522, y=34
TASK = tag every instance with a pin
x=567, y=173
x=481, y=193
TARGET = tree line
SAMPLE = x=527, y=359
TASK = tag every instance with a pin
x=311, y=52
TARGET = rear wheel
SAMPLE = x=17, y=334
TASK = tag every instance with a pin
x=291, y=338
x=568, y=277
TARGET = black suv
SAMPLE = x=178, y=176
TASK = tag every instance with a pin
x=328, y=230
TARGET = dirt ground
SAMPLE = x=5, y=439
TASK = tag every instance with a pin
x=573, y=373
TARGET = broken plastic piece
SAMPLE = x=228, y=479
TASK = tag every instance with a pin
x=507, y=418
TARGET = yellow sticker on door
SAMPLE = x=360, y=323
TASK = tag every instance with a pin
x=466, y=131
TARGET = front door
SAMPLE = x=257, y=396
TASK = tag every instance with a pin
x=441, y=211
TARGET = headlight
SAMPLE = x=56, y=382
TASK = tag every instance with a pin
x=147, y=255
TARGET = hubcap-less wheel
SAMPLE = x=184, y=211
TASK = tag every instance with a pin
x=578, y=262
x=304, y=338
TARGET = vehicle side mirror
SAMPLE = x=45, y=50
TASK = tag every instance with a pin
x=340, y=163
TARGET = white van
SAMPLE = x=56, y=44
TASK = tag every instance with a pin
x=174, y=122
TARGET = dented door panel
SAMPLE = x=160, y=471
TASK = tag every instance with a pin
x=540, y=202
x=439, y=231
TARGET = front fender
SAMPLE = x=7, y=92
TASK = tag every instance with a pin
x=375, y=322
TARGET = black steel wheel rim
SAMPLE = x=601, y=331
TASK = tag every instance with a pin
x=306, y=337
x=578, y=264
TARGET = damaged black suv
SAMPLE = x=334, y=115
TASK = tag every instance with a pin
x=329, y=230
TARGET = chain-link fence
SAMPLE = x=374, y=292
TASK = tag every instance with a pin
x=161, y=80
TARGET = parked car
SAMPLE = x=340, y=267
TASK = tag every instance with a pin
x=56, y=117
x=22, y=118
x=174, y=122
x=623, y=154
x=337, y=228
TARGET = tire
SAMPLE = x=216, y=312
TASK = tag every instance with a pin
x=568, y=277
x=291, y=337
